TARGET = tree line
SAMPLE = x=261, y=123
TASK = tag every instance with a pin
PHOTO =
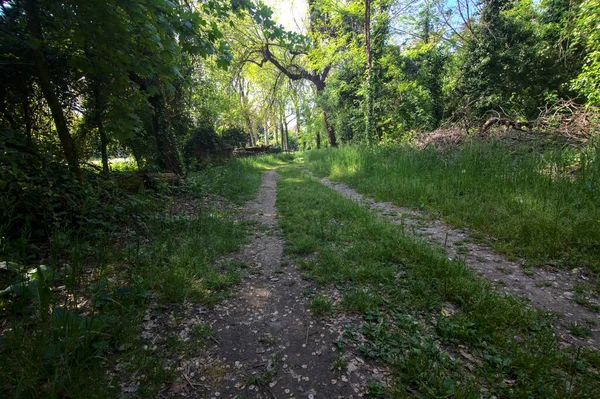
x=81, y=78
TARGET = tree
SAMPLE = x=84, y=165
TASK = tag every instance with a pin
x=44, y=77
x=587, y=34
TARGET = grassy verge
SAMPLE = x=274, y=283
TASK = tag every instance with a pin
x=71, y=327
x=238, y=179
x=536, y=204
x=443, y=331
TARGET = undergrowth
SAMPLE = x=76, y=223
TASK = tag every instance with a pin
x=443, y=331
x=538, y=204
x=71, y=306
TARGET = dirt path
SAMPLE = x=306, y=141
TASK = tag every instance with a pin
x=550, y=290
x=266, y=343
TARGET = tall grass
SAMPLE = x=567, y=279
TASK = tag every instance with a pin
x=541, y=205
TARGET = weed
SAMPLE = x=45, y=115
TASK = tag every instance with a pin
x=202, y=332
x=267, y=339
x=376, y=389
x=320, y=306
x=504, y=270
x=64, y=321
x=360, y=300
x=339, y=364
x=580, y=330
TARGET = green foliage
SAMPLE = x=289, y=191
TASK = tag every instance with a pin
x=205, y=147
x=235, y=137
x=587, y=34
x=39, y=194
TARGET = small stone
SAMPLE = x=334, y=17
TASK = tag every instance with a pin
x=333, y=382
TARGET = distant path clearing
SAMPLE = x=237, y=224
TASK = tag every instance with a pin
x=547, y=290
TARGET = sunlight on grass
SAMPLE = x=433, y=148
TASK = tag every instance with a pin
x=501, y=191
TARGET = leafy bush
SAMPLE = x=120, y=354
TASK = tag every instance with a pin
x=235, y=137
x=205, y=147
x=38, y=193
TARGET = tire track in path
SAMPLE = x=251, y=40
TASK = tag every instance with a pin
x=268, y=345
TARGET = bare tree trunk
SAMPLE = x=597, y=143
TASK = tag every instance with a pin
x=250, y=130
x=297, y=109
x=369, y=100
x=266, y=132
x=286, y=141
x=103, y=149
x=39, y=60
x=330, y=132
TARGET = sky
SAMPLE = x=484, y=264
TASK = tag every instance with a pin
x=291, y=14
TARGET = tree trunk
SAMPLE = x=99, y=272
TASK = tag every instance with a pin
x=329, y=128
x=99, y=105
x=164, y=141
x=266, y=133
x=250, y=130
x=286, y=141
x=103, y=149
x=39, y=60
x=368, y=99
x=297, y=109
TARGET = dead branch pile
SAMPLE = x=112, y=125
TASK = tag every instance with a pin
x=565, y=123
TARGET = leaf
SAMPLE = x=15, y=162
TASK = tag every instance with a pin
x=153, y=90
x=54, y=350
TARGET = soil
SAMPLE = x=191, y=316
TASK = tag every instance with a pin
x=266, y=343
x=547, y=288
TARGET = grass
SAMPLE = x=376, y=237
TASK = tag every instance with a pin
x=490, y=345
x=541, y=205
x=320, y=306
x=238, y=179
x=66, y=326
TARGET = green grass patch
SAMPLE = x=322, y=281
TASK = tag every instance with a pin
x=542, y=205
x=238, y=179
x=488, y=345
x=320, y=306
